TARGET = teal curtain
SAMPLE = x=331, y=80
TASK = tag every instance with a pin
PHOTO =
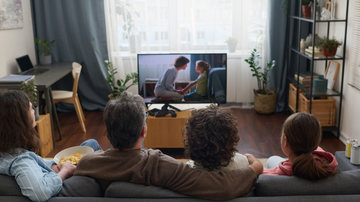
x=78, y=27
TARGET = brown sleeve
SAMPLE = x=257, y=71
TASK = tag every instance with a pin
x=224, y=185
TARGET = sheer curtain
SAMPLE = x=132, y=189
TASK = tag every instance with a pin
x=185, y=26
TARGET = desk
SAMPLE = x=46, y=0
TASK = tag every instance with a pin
x=43, y=83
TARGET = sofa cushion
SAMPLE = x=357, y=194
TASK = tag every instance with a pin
x=80, y=186
x=131, y=190
x=346, y=182
x=9, y=186
x=344, y=162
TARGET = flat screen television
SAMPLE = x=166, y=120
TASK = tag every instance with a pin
x=152, y=68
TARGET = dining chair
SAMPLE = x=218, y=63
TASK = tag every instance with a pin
x=72, y=96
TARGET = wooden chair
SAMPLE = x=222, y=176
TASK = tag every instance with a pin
x=72, y=96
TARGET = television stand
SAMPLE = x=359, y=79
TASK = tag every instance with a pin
x=166, y=131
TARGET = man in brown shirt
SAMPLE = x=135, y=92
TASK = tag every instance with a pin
x=125, y=120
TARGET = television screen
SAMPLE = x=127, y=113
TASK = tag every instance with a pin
x=182, y=78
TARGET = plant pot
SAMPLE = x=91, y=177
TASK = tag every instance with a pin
x=232, y=47
x=45, y=60
x=265, y=104
x=306, y=10
x=331, y=53
x=135, y=43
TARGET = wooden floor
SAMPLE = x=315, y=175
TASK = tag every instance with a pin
x=260, y=134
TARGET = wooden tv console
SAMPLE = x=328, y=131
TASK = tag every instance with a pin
x=166, y=132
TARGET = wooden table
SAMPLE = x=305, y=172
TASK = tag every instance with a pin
x=43, y=128
x=166, y=132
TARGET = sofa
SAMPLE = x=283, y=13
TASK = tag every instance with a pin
x=342, y=187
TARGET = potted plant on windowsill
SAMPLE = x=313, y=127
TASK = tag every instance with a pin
x=329, y=46
x=44, y=47
x=30, y=89
x=232, y=42
x=120, y=85
x=264, y=100
x=126, y=10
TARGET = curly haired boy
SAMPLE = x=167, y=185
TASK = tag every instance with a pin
x=210, y=138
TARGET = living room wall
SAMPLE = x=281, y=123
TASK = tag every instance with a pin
x=17, y=42
x=350, y=106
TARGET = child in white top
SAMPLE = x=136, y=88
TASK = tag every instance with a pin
x=210, y=139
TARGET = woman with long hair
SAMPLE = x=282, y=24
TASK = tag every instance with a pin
x=39, y=179
x=300, y=139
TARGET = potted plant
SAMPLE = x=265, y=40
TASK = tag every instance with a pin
x=305, y=8
x=329, y=46
x=30, y=89
x=232, y=42
x=44, y=47
x=264, y=100
x=121, y=84
x=126, y=10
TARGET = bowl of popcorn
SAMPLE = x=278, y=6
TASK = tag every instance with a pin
x=72, y=154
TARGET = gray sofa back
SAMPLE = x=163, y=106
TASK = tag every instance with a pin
x=346, y=182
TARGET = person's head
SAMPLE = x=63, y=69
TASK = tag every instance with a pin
x=301, y=136
x=202, y=67
x=211, y=136
x=181, y=62
x=17, y=122
x=124, y=119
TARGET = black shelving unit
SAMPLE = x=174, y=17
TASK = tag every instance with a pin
x=298, y=60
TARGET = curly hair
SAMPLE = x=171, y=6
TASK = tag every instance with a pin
x=211, y=135
x=16, y=129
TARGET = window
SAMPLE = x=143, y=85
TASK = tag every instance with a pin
x=198, y=24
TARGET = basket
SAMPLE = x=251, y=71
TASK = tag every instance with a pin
x=292, y=97
x=323, y=109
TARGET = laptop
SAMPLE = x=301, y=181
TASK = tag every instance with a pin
x=27, y=67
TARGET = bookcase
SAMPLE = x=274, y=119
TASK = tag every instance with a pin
x=301, y=97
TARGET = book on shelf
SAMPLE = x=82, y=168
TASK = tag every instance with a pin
x=306, y=75
x=15, y=79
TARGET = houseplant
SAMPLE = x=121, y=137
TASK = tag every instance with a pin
x=30, y=89
x=126, y=10
x=329, y=46
x=44, y=47
x=264, y=100
x=231, y=41
x=120, y=85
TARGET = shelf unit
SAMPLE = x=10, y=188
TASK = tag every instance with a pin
x=294, y=17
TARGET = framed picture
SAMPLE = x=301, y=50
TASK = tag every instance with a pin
x=331, y=73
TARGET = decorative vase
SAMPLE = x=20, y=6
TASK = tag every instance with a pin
x=306, y=10
x=135, y=43
x=302, y=46
x=232, y=47
x=45, y=60
x=320, y=84
x=329, y=53
x=265, y=104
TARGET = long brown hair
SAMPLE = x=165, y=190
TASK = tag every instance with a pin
x=211, y=136
x=16, y=129
x=303, y=134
